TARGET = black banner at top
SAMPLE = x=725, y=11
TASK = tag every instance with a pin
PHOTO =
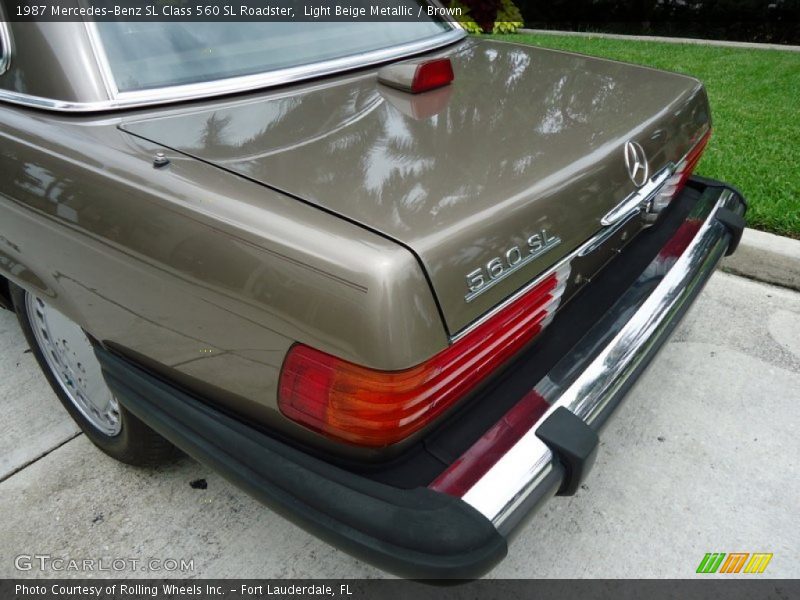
x=227, y=10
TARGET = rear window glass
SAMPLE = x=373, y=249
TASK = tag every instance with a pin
x=152, y=55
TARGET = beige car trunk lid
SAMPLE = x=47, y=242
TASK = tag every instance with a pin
x=524, y=140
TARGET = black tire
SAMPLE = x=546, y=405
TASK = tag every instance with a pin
x=135, y=444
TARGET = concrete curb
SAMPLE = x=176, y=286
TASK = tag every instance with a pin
x=669, y=40
x=766, y=257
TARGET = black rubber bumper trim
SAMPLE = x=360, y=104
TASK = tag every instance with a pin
x=732, y=219
x=699, y=181
x=5, y=294
x=573, y=442
x=416, y=533
x=735, y=224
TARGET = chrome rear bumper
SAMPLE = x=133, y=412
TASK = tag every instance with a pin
x=458, y=526
x=592, y=378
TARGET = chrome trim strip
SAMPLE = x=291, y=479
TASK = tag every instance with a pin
x=101, y=58
x=124, y=100
x=604, y=234
x=638, y=199
x=5, y=47
x=561, y=264
x=585, y=248
x=30, y=101
x=506, y=486
x=549, y=245
x=593, y=242
x=635, y=201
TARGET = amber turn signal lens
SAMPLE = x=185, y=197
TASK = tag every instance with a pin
x=373, y=408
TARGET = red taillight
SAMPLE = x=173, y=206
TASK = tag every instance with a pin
x=474, y=463
x=432, y=74
x=683, y=171
x=375, y=408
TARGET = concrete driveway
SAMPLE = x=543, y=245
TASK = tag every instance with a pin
x=702, y=457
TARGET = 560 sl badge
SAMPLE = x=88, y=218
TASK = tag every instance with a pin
x=513, y=259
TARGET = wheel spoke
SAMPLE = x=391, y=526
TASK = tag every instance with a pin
x=71, y=360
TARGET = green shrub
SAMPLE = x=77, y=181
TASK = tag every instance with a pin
x=466, y=20
x=509, y=18
x=504, y=17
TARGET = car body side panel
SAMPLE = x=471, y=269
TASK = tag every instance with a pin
x=208, y=276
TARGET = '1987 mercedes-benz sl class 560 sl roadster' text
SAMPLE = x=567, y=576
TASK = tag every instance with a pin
x=389, y=279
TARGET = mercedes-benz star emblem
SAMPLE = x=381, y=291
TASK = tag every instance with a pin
x=636, y=163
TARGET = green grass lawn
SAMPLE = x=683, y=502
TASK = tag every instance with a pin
x=755, y=103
